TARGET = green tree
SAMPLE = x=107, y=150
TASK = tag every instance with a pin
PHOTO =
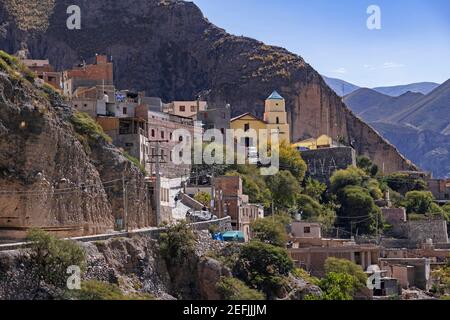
x=337, y=286
x=348, y=267
x=270, y=230
x=177, y=242
x=284, y=188
x=419, y=202
x=263, y=267
x=348, y=177
x=291, y=160
x=234, y=290
x=367, y=165
x=51, y=257
x=310, y=208
x=403, y=183
x=315, y=189
x=204, y=198
x=358, y=210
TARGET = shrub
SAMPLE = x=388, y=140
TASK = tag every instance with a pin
x=419, y=202
x=348, y=177
x=264, y=267
x=315, y=189
x=177, y=242
x=337, y=286
x=348, y=267
x=87, y=126
x=270, y=230
x=51, y=257
x=98, y=290
x=234, y=289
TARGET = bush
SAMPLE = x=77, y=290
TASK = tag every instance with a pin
x=337, y=286
x=419, y=202
x=348, y=177
x=270, y=230
x=284, y=188
x=356, y=202
x=234, y=289
x=98, y=290
x=177, y=242
x=346, y=266
x=51, y=257
x=315, y=189
x=403, y=183
x=264, y=267
x=87, y=126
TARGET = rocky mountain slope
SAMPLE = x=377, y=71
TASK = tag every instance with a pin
x=52, y=175
x=138, y=266
x=372, y=106
x=419, y=125
x=420, y=87
x=341, y=87
x=432, y=112
x=169, y=49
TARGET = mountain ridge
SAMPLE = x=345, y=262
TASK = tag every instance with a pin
x=169, y=49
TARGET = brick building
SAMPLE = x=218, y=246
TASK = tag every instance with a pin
x=89, y=75
x=229, y=200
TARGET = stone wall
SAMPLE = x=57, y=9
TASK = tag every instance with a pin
x=322, y=163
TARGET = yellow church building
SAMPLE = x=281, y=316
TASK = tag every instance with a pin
x=275, y=118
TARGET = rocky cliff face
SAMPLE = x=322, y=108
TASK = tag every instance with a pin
x=47, y=177
x=137, y=266
x=170, y=50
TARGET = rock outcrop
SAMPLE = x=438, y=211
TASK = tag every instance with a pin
x=169, y=49
x=137, y=266
x=47, y=177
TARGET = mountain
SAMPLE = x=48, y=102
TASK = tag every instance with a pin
x=431, y=112
x=428, y=149
x=395, y=91
x=341, y=87
x=372, y=106
x=169, y=49
x=418, y=125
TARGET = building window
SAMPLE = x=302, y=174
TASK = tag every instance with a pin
x=193, y=109
x=85, y=105
x=125, y=111
x=182, y=108
x=180, y=138
x=171, y=136
x=181, y=154
x=246, y=126
x=278, y=120
x=153, y=133
x=222, y=130
x=162, y=135
x=307, y=230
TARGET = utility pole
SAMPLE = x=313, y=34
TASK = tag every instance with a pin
x=125, y=209
x=156, y=159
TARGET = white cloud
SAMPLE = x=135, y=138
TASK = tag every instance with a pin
x=386, y=65
x=340, y=70
x=390, y=65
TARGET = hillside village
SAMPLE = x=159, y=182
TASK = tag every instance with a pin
x=330, y=201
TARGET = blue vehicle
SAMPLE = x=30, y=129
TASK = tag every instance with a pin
x=233, y=236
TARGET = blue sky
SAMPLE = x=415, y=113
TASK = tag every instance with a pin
x=413, y=44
